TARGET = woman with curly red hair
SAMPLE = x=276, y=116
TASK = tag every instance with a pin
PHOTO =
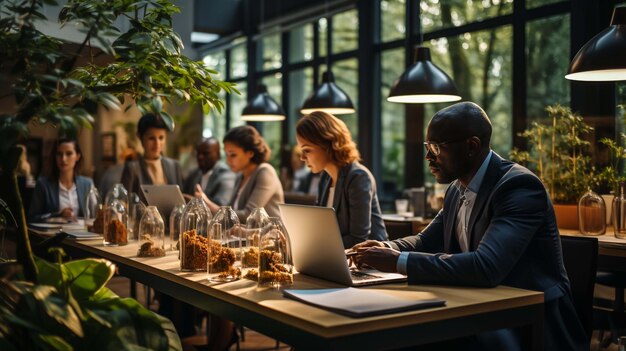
x=345, y=184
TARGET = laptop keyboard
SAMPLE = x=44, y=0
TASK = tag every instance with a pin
x=358, y=276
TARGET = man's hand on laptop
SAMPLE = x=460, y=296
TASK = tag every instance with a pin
x=380, y=257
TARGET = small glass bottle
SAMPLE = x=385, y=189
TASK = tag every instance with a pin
x=151, y=234
x=193, y=238
x=591, y=214
x=137, y=209
x=224, y=260
x=174, y=232
x=255, y=222
x=118, y=192
x=92, y=204
x=275, y=258
x=619, y=212
x=115, y=219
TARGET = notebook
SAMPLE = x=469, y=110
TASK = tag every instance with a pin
x=318, y=249
x=164, y=197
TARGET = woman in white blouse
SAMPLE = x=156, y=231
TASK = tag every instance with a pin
x=63, y=193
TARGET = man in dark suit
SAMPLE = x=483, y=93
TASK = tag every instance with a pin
x=213, y=176
x=497, y=226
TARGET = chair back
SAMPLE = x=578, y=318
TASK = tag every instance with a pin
x=580, y=256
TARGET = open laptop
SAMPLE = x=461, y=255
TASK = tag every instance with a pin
x=164, y=197
x=318, y=249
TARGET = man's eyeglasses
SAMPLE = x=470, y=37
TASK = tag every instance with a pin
x=435, y=148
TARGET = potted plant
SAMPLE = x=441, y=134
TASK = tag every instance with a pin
x=47, y=81
x=559, y=155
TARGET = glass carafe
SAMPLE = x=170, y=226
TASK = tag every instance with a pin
x=225, y=234
x=115, y=219
x=92, y=205
x=151, y=234
x=193, y=238
x=255, y=222
x=174, y=232
x=591, y=214
x=275, y=258
x=619, y=213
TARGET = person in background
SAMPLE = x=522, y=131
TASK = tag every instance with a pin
x=257, y=184
x=152, y=167
x=294, y=175
x=213, y=176
x=345, y=184
x=497, y=226
x=63, y=193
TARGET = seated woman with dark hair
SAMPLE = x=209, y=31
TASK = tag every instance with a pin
x=345, y=184
x=257, y=184
x=152, y=167
x=63, y=193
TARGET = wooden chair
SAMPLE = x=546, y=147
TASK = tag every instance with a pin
x=580, y=257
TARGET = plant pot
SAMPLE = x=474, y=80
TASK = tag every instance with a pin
x=566, y=216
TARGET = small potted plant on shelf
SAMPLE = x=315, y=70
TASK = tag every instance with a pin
x=559, y=155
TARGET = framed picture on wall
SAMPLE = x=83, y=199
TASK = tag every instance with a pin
x=108, y=144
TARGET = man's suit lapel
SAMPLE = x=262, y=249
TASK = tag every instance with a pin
x=492, y=175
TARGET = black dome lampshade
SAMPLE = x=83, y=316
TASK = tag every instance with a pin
x=328, y=97
x=603, y=58
x=262, y=108
x=423, y=82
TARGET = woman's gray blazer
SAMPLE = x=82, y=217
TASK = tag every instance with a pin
x=45, y=200
x=356, y=204
x=263, y=189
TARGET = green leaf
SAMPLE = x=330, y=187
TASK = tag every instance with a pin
x=88, y=276
x=57, y=309
x=56, y=342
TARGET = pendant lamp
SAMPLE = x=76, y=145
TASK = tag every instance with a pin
x=423, y=82
x=328, y=97
x=262, y=108
x=603, y=58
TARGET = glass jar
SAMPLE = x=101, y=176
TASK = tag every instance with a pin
x=174, y=232
x=118, y=192
x=151, y=234
x=193, y=238
x=224, y=260
x=591, y=214
x=619, y=213
x=92, y=204
x=255, y=222
x=115, y=219
x=137, y=209
x=275, y=259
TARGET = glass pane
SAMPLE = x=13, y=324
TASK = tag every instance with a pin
x=548, y=48
x=272, y=57
x=301, y=44
x=346, y=74
x=536, y=3
x=300, y=86
x=481, y=65
x=238, y=62
x=392, y=23
x=214, y=122
x=237, y=104
x=345, y=31
x=393, y=127
x=322, y=27
x=438, y=14
x=272, y=131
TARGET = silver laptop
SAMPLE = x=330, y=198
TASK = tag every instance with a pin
x=164, y=197
x=318, y=249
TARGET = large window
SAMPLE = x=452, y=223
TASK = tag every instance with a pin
x=214, y=122
x=272, y=130
x=547, y=48
x=393, y=25
x=345, y=31
x=438, y=14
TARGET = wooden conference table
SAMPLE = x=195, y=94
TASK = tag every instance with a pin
x=467, y=311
